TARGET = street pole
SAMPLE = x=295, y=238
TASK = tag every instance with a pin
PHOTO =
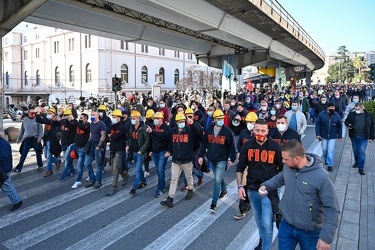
x=2, y=33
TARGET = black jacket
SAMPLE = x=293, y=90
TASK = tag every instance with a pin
x=245, y=136
x=82, y=133
x=288, y=134
x=118, y=137
x=160, y=138
x=49, y=126
x=369, y=127
x=68, y=132
x=219, y=148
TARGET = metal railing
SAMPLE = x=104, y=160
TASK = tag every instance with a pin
x=298, y=31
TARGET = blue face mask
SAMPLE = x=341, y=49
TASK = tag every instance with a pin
x=92, y=118
x=294, y=108
x=355, y=100
x=273, y=112
x=133, y=122
x=181, y=125
x=220, y=123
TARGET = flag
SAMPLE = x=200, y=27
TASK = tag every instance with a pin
x=249, y=85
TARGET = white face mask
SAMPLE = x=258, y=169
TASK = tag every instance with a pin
x=281, y=127
x=277, y=106
x=114, y=121
x=156, y=122
x=101, y=113
x=192, y=107
x=209, y=113
x=49, y=117
x=358, y=112
x=250, y=126
x=264, y=108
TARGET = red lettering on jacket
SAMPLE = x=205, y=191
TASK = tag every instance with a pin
x=79, y=131
x=134, y=135
x=180, y=138
x=218, y=140
x=47, y=127
x=261, y=155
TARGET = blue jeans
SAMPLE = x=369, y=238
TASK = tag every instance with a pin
x=8, y=189
x=27, y=144
x=80, y=163
x=94, y=155
x=359, y=145
x=262, y=210
x=68, y=166
x=160, y=162
x=50, y=158
x=126, y=162
x=139, y=174
x=328, y=147
x=289, y=236
x=218, y=167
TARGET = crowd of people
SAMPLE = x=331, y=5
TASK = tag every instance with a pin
x=261, y=128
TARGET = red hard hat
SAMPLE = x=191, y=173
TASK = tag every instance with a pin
x=74, y=155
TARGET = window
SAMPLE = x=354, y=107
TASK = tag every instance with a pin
x=177, y=54
x=87, y=41
x=161, y=75
x=26, y=80
x=6, y=40
x=6, y=56
x=176, y=76
x=25, y=39
x=37, y=36
x=144, y=77
x=57, y=76
x=71, y=44
x=71, y=74
x=122, y=43
x=7, y=79
x=56, y=47
x=37, y=53
x=25, y=55
x=190, y=56
x=161, y=52
x=144, y=48
x=124, y=73
x=37, y=78
x=126, y=45
x=88, y=73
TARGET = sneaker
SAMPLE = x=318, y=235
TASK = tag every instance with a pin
x=88, y=178
x=200, y=181
x=147, y=174
x=90, y=184
x=362, y=172
x=48, y=173
x=189, y=195
x=98, y=185
x=259, y=247
x=213, y=208
x=72, y=174
x=159, y=194
x=142, y=184
x=330, y=168
x=58, y=165
x=39, y=169
x=223, y=194
x=16, y=206
x=16, y=170
x=184, y=188
x=62, y=178
x=168, y=202
x=76, y=184
x=239, y=216
x=132, y=192
x=355, y=165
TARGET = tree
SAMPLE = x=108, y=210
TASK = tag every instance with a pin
x=200, y=78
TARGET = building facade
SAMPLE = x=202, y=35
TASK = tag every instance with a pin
x=44, y=61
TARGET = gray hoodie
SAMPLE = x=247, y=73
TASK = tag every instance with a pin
x=310, y=200
x=30, y=128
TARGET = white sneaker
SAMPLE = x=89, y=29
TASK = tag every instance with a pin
x=88, y=178
x=76, y=184
x=147, y=174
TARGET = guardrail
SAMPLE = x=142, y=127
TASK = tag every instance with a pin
x=280, y=15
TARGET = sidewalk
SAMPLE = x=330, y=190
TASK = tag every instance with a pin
x=356, y=199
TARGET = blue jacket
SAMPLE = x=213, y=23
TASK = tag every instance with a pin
x=328, y=127
x=5, y=156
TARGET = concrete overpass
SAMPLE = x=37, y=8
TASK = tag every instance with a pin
x=239, y=32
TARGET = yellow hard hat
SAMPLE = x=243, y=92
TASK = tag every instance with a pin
x=53, y=110
x=150, y=113
x=180, y=117
x=135, y=113
x=158, y=115
x=102, y=107
x=117, y=112
x=251, y=117
x=67, y=112
x=218, y=114
x=189, y=111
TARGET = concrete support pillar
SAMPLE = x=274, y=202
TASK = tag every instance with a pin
x=230, y=73
x=308, y=78
x=2, y=33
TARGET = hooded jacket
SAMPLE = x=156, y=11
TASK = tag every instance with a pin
x=310, y=201
x=328, y=126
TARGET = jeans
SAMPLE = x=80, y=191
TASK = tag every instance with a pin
x=80, y=163
x=359, y=145
x=139, y=174
x=218, y=167
x=289, y=236
x=328, y=147
x=63, y=150
x=94, y=155
x=68, y=166
x=126, y=162
x=27, y=144
x=8, y=189
x=262, y=210
x=160, y=162
x=50, y=158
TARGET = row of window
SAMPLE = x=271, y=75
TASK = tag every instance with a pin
x=159, y=78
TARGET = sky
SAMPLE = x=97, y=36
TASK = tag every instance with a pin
x=333, y=23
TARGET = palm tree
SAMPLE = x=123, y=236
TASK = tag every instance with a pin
x=358, y=63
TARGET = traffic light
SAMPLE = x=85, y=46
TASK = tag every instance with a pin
x=116, y=84
x=372, y=71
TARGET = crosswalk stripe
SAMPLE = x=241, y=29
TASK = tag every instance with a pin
x=194, y=224
x=127, y=224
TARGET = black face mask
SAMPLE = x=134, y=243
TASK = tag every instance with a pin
x=331, y=111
